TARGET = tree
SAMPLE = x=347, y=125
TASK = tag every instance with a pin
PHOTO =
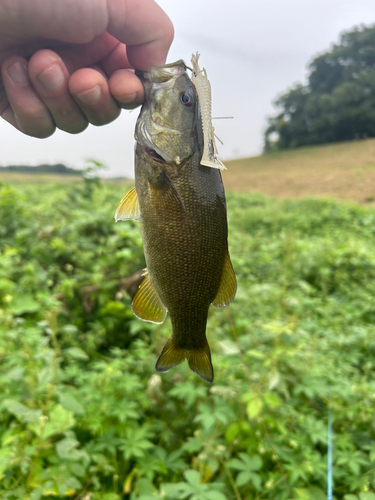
x=337, y=104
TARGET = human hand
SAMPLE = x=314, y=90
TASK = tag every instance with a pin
x=65, y=64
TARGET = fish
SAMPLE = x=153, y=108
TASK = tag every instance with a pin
x=181, y=206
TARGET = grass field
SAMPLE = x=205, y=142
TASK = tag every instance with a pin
x=345, y=171
x=20, y=178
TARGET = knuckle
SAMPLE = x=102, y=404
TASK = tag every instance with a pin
x=75, y=128
x=37, y=123
x=103, y=118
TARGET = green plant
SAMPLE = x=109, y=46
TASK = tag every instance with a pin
x=83, y=414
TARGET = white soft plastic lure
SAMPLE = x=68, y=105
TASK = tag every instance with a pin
x=203, y=88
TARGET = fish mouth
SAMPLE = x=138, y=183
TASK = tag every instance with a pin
x=154, y=155
x=162, y=75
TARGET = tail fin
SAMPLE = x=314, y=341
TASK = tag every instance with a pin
x=170, y=356
x=199, y=360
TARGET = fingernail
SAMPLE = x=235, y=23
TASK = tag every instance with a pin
x=91, y=96
x=18, y=73
x=127, y=99
x=52, y=78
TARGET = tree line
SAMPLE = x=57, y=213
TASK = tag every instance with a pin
x=338, y=101
x=59, y=168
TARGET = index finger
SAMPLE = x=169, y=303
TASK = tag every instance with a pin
x=144, y=27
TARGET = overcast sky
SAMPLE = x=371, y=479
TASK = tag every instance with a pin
x=252, y=51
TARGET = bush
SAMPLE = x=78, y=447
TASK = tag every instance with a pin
x=84, y=415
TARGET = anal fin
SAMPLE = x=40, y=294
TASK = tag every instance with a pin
x=147, y=304
x=129, y=207
x=228, y=285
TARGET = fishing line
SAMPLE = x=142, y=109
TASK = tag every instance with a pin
x=329, y=492
x=258, y=408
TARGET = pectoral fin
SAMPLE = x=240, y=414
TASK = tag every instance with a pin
x=166, y=197
x=199, y=360
x=129, y=207
x=228, y=285
x=147, y=304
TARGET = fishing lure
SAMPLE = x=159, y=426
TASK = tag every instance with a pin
x=203, y=87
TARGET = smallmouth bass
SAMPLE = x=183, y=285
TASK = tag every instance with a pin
x=182, y=211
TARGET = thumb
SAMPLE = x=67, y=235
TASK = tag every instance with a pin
x=144, y=27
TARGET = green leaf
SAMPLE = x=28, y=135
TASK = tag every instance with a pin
x=67, y=449
x=36, y=494
x=243, y=478
x=317, y=493
x=59, y=420
x=149, y=497
x=237, y=464
x=302, y=493
x=366, y=495
x=188, y=392
x=255, y=354
x=135, y=444
x=70, y=403
x=232, y=432
x=77, y=353
x=23, y=303
x=16, y=373
x=372, y=454
x=21, y=411
x=145, y=486
x=5, y=459
x=247, y=463
x=253, y=408
x=178, y=490
x=192, y=477
x=252, y=462
x=215, y=495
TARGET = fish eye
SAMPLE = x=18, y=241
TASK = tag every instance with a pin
x=186, y=99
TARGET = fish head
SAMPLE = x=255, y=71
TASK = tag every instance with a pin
x=167, y=125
